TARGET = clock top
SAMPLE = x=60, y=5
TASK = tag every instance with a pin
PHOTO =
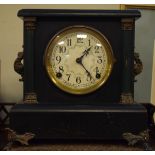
x=70, y=12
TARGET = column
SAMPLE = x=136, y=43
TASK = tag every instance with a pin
x=29, y=77
x=127, y=92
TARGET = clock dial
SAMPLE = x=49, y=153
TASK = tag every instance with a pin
x=79, y=60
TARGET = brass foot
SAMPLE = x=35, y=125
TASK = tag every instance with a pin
x=142, y=138
x=12, y=137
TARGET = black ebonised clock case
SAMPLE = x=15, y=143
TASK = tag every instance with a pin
x=98, y=115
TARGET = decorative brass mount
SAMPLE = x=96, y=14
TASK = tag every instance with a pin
x=127, y=24
x=138, y=65
x=142, y=137
x=19, y=66
x=29, y=23
x=11, y=137
x=30, y=98
x=126, y=98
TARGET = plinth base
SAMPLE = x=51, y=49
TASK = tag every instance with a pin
x=52, y=121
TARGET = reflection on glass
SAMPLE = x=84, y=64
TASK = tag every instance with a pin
x=98, y=45
x=61, y=43
x=81, y=36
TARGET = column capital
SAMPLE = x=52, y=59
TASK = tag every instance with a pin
x=127, y=24
x=30, y=23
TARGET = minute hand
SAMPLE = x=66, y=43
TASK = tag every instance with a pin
x=88, y=73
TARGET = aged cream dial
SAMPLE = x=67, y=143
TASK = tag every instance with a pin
x=79, y=59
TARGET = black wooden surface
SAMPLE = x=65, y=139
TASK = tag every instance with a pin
x=29, y=58
x=128, y=39
x=47, y=28
x=52, y=121
x=73, y=13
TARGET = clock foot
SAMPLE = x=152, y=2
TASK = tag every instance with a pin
x=142, y=138
x=11, y=136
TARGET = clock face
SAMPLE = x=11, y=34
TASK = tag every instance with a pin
x=78, y=59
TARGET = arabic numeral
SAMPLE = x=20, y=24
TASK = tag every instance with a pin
x=78, y=80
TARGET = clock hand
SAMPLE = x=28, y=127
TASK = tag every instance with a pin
x=79, y=61
x=88, y=73
x=86, y=52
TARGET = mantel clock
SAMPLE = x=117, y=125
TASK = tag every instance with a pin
x=78, y=75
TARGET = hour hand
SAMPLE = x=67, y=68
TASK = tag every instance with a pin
x=86, y=52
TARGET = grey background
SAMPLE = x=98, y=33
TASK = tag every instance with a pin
x=144, y=44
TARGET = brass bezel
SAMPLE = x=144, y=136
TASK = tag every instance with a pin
x=61, y=34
